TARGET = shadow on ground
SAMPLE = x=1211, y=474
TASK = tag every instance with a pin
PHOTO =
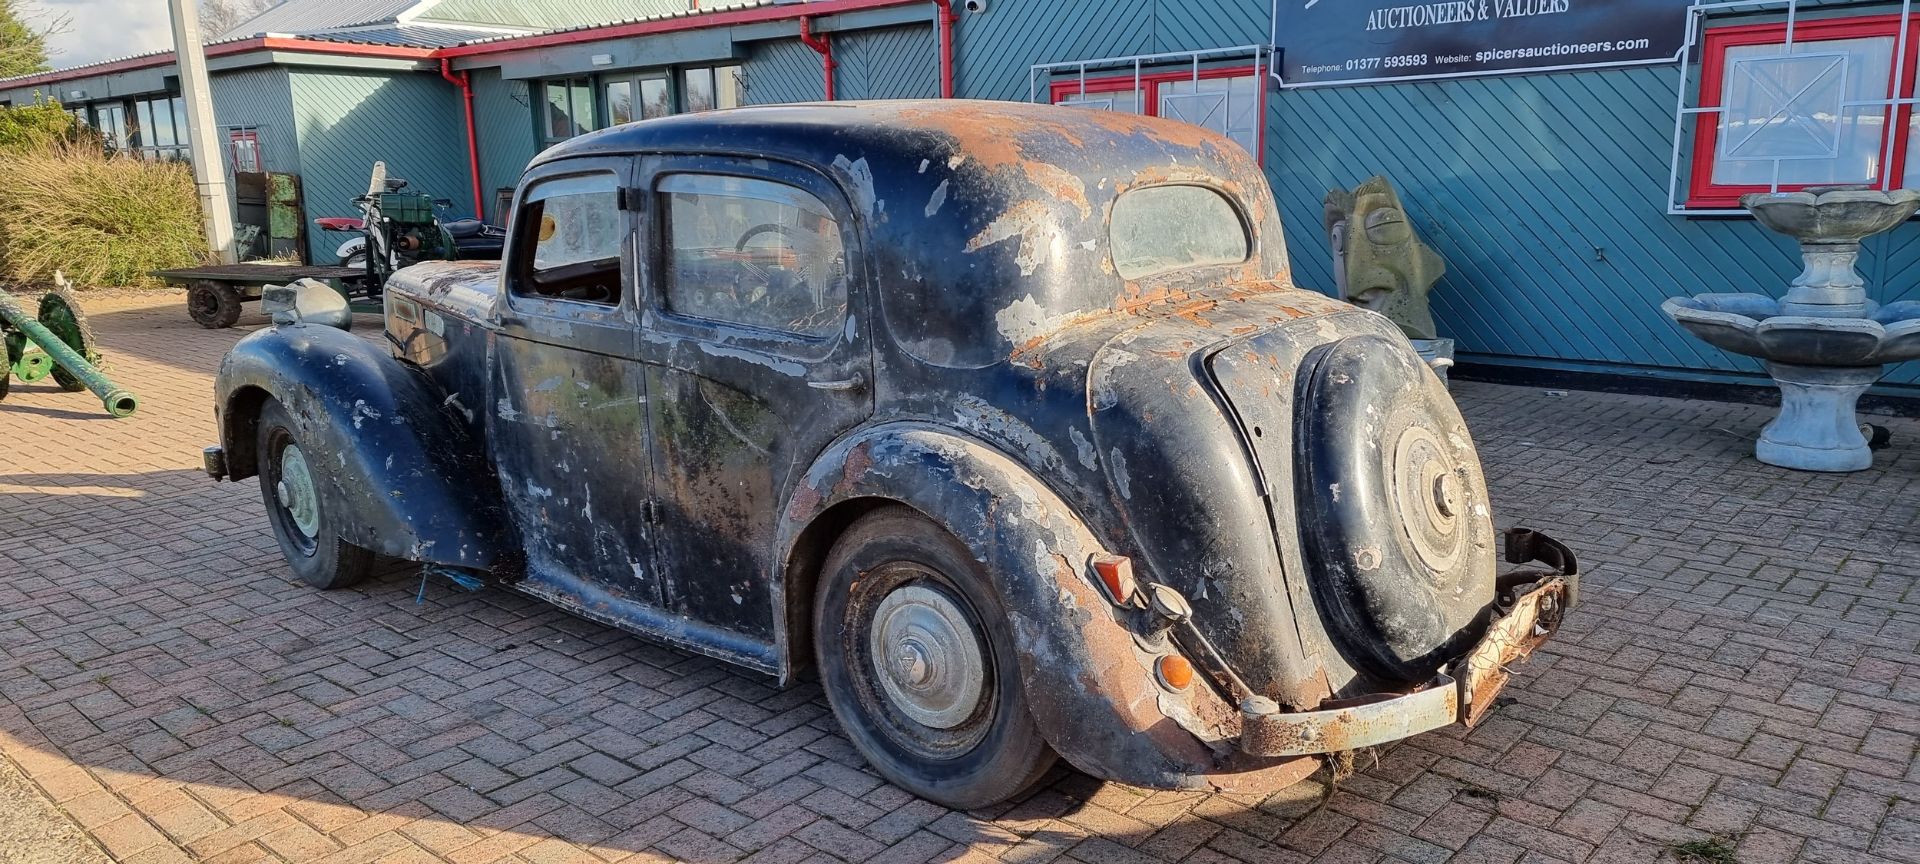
x=1745, y=665
x=187, y=662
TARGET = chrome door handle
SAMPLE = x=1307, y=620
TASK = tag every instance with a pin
x=852, y=383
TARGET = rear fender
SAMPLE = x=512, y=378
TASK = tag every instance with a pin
x=1091, y=688
x=410, y=483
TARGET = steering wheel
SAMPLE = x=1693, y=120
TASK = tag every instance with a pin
x=786, y=231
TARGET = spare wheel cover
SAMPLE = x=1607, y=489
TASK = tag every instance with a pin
x=1393, y=509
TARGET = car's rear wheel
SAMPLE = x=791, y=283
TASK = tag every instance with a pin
x=290, y=485
x=918, y=663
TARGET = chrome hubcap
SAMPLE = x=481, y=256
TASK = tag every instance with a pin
x=929, y=661
x=295, y=491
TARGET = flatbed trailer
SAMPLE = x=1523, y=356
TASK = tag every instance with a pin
x=215, y=293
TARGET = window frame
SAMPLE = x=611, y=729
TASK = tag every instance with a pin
x=636, y=82
x=250, y=136
x=1702, y=192
x=118, y=138
x=1249, y=240
x=140, y=137
x=735, y=72
x=1149, y=86
x=542, y=122
x=656, y=258
x=518, y=266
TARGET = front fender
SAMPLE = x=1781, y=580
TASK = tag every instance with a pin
x=410, y=483
x=1091, y=689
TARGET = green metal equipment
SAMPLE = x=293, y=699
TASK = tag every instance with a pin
x=66, y=349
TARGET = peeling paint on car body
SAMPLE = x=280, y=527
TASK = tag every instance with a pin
x=991, y=369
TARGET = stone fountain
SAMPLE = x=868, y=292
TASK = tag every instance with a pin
x=1825, y=343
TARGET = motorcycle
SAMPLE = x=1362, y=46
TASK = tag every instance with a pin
x=396, y=228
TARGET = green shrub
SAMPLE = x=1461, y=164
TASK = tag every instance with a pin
x=103, y=220
x=31, y=127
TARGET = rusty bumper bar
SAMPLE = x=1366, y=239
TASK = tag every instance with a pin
x=1531, y=609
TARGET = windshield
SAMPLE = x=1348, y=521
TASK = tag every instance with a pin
x=1164, y=228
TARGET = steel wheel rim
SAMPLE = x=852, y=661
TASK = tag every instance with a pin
x=926, y=657
x=294, y=491
x=888, y=713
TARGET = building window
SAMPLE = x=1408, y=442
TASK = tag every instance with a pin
x=567, y=109
x=642, y=97
x=159, y=130
x=243, y=150
x=1226, y=100
x=711, y=87
x=1812, y=110
x=111, y=121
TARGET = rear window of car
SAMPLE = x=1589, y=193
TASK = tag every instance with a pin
x=1159, y=229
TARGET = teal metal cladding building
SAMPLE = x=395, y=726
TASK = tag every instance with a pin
x=1548, y=194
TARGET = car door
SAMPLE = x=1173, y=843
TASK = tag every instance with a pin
x=755, y=334
x=567, y=417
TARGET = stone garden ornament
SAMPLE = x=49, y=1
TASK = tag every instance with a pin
x=1825, y=343
x=1379, y=263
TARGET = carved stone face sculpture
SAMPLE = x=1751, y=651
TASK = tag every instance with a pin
x=1378, y=262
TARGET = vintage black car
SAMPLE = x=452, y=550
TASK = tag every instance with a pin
x=1006, y=417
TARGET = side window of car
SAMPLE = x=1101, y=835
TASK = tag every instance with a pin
x=754, y=252
x=569, y=238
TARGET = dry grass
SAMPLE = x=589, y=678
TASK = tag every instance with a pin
x=104, y=220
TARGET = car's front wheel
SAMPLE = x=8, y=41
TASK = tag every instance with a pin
x=290, y=484
x=918, y=663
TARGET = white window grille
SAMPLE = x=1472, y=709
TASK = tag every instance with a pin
x=1206, y=88
x=1787, y=100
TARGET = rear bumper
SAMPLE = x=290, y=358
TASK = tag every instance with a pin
x=1531, y=608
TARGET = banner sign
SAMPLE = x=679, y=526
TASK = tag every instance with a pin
x=1356, y=41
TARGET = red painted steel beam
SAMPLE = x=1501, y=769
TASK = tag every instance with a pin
x=749, y=15
x=258, y=43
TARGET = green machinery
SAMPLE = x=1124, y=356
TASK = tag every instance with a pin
x=57, y=342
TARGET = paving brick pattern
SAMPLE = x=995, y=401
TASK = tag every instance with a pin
x=1744, y=668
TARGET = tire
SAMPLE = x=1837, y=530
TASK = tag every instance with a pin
x=946, y=742
x=357, y=260
x=310, y=540
x=1397, y=532
x=213, y=305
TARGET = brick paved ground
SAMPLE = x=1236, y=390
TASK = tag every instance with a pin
x=1744, y=667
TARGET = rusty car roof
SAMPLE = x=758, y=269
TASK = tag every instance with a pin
x=978, y=210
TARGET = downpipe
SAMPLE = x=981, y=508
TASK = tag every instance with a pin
x=465, y=83
x=947, y=19
x=822, y=47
